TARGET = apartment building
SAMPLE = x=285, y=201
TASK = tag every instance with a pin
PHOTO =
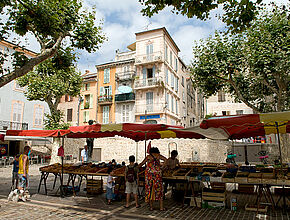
x=147, y=84
x=16, y=112
x=224, y=104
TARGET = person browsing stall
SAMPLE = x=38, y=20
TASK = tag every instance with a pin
x=23, y=168
x=84, y=154
x=15, y=172
x=131, y=179
x=109, y=187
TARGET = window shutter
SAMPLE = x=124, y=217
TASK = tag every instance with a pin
x=82, y=104
x=108, y=75
x=84, y=116
x=172, y=80
x=166, y=75
x=144, y=73
x=176, y=106
x=153, y=71
x=177, y=81
x=88, y=86
x=91, y=100
x=102, y=91
x=110, y=90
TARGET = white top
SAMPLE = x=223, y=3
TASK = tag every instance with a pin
x=110, y=178
x=84, y=154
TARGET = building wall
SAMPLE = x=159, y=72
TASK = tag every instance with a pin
x=72, y=104
x=12, y=93
x=213, y=106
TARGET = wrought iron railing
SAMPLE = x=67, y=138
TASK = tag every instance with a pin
x=12, y=125
x=125, y=97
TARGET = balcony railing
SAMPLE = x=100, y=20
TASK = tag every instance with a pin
x=148, y=82
x=125, y=97
x=11, y=125
x=123, y=76
x=140, y=109
x=149, y=58
x=105, y=99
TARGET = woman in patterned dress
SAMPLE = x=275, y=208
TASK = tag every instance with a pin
x=153, y=177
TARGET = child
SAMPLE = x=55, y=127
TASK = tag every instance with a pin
x=109, y=188
x=131, y=173
x=15, y=172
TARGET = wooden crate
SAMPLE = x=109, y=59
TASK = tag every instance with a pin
x=94, y=186
x=262, y=208
x=242, y=177
x=214, y=196
x=227, y=180
x=218, y=186
x=269, y=178
x=246, y=188
x=255, y=178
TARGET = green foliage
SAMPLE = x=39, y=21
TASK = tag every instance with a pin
x=51, y=80
x=253, y=66
x=55, y=121
x=237, y=14
x=50, y=21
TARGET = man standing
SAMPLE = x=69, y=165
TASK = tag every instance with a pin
x=84, y=154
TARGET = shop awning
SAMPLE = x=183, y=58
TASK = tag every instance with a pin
x=250, y=125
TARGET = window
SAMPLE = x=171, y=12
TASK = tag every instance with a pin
x=167, y=100
x=177, y=81
x=86, y=87
x=107, y=75
x=125, y=113
x=69, y=114
x=17, y=111
x=226, y=112
x=240, y=112
x=38, y=115
x=166, y=53
x=172, y=80
x=68, y=98
x=172, y=104
x=149, y=49
x=149, y=101
x=176, y=64
x=182, y=81
x=126, y=68
x=170, y=58
x=87, y=101
x=176, y=106
x=86, y=116
x=166, y=75
x=183, y=97
x=221, y=96
x=106, y=114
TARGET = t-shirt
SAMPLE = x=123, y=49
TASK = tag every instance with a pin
x=110, y=185
x=84, y=154
x=15, y=166
x=172, y=163
x=136, y=169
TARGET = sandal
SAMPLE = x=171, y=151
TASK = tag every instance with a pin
x=126, y=207
x=164, y=209
x=138, y=206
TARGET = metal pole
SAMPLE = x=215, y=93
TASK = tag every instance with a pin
x=61, y=187
x=278, y=135
x=145, y=141
x=136, y=152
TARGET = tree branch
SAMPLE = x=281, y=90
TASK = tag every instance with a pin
x=44, y=55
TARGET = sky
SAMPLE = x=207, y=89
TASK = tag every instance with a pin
x=122, y=19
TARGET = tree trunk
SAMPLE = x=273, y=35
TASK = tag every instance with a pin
x=285, y=147
x=55, y=145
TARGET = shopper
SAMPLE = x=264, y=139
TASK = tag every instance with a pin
x=153, y=177
x=84, y=154
x=171, y=164
x=131, y=179
x=109, y=188
x=15, y=173
x=23, y=172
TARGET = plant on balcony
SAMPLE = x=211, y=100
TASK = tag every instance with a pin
x=87, y=105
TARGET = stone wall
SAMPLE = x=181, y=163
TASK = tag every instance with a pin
x=120, y=149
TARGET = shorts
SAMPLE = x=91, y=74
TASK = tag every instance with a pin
x=131, y=187
x=14, y=176
x=109, y=193
x=22, y=181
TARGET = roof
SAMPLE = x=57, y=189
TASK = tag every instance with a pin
x=17, y=47
x=166, y=33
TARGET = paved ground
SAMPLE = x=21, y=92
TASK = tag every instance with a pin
x=85, y=207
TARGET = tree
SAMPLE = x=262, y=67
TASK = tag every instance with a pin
x=237, y=13
x=51, y=22
x=253, y=66
x=51, y=80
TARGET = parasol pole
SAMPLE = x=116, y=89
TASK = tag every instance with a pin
x=279, y=144
x=137, y=152
x=61, y=187
x=145, y=142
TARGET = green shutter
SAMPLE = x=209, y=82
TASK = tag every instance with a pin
x=108, y=76
x=91, y=100
x=84, y=116
x=110, y=90
x=102, y=92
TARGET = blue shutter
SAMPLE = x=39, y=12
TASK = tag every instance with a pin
x=102, y=92
x=110, y=90
x=153, y=71
x=144, y=76
x=177, y=81
x=108, y=75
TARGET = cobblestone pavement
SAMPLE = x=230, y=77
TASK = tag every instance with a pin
x=85, y=207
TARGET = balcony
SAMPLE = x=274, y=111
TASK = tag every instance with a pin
x=150, y=82
x=126, y=97
x=149, y=58
x=105, y=100
x=125, y=76
x=150, y=108
x=10, y=125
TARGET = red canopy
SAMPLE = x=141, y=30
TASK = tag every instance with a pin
x=251, y=125
x=137, y=132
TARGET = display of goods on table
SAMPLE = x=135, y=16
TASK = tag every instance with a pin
x=120, y=171
x=168, y=173
x=242, y=177
x=228, y=177
x=181, y=173
x=255, y=178
x=216, y=176
x=269, y=178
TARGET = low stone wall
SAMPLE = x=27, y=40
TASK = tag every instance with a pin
x=120, y=148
